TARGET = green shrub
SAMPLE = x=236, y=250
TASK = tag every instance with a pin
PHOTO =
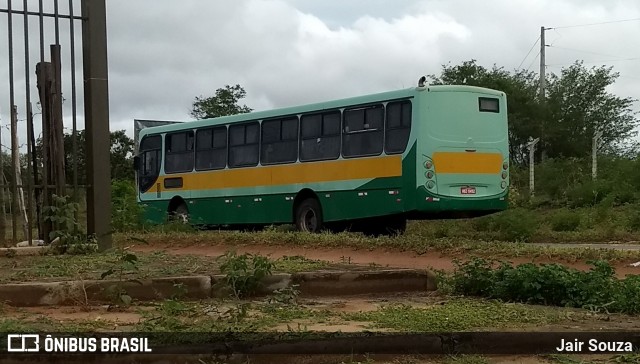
x=515, y=225
x=633, y=220
x=126, y=213
x=565, y=220
x=588, y=193
x=549, y=284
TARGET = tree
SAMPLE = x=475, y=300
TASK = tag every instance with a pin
x=224, y=102
x=122, y=148
x=579, y=105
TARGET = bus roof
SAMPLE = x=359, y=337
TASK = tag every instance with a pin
x=259, y=115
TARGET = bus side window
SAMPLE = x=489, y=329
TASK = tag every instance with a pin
x=211, y=148
x=363, y=135
x=398, y=127
x=279, y=141
x=244, y=148
x=179, y=152
x=320, y=136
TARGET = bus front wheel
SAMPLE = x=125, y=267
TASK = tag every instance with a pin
x=309, y=216
x=180, y=214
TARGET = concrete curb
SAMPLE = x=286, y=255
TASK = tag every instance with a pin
x=24, y=251
x=313, y=284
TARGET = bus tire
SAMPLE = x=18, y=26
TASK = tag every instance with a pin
x=309, y=216
x=180, y=214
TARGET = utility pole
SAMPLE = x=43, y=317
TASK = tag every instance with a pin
x=532, y=148
x=594, y=154
x=543, y=82
x=542, y=64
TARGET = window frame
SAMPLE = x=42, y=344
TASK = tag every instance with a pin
x=280, y=121
x=322, y=135
x=212, y=147
x=387, y=128
x=380, y=105
x=229, y=146
x=187, y=150
x=496, y=99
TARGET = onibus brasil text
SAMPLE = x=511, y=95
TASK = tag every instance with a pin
x=50, y=344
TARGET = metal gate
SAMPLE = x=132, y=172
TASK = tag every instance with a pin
x=42, y=61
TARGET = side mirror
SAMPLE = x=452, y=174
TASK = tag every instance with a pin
x=136, y=163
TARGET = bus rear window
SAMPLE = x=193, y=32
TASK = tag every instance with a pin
x=487, y=104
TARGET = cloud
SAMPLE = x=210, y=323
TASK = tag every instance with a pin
x=163, y=54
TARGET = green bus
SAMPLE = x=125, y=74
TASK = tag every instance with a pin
x=418, y=153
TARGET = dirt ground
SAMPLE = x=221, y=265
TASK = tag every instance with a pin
x=393, y=259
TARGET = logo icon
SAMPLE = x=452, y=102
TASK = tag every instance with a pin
x=23, y=343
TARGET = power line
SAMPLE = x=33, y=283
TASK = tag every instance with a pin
x=534, y=60
x=525, y=57
x=592, y=24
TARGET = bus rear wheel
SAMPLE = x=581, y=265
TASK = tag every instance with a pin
x=309, y=216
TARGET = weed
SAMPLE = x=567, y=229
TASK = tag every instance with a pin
x=124, y=263
x=126, y=213
x=71, y=240
x=244, y=273
x=285, y=296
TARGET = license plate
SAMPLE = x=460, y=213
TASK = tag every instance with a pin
x=468, y=190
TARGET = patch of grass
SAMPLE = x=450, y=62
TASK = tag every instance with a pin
x=155, y=264
x=458, y=315
x=282, y=313
x=465, y=359
x=414, y=241
x=293, y=264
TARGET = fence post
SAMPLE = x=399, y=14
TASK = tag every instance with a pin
x=594, y=154
x=532, y=148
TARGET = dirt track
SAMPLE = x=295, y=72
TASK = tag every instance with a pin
x=380, y=257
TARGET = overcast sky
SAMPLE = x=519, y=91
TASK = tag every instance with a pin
x=286, y=52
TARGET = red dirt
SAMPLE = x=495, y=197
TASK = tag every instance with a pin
x=385, y=258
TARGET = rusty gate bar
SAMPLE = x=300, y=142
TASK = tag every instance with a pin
x=74, y=132
x=27, y=77
x=96, y=112
x=12, y=102
x=46, y=201
x=47, y=15
x=96, y=93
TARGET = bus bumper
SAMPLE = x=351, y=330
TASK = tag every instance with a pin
x=431, y=203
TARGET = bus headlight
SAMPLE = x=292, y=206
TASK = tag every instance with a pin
x=504, y=175
x=428, y=164
x=505, y=165
x=431, y=184
x=503, y=184
x=429, y=175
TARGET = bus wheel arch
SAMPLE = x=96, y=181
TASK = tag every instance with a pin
x=178, y=210
x=307, y=212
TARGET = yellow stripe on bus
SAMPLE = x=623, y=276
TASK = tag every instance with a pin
x=325, y=171
x=467, y=162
